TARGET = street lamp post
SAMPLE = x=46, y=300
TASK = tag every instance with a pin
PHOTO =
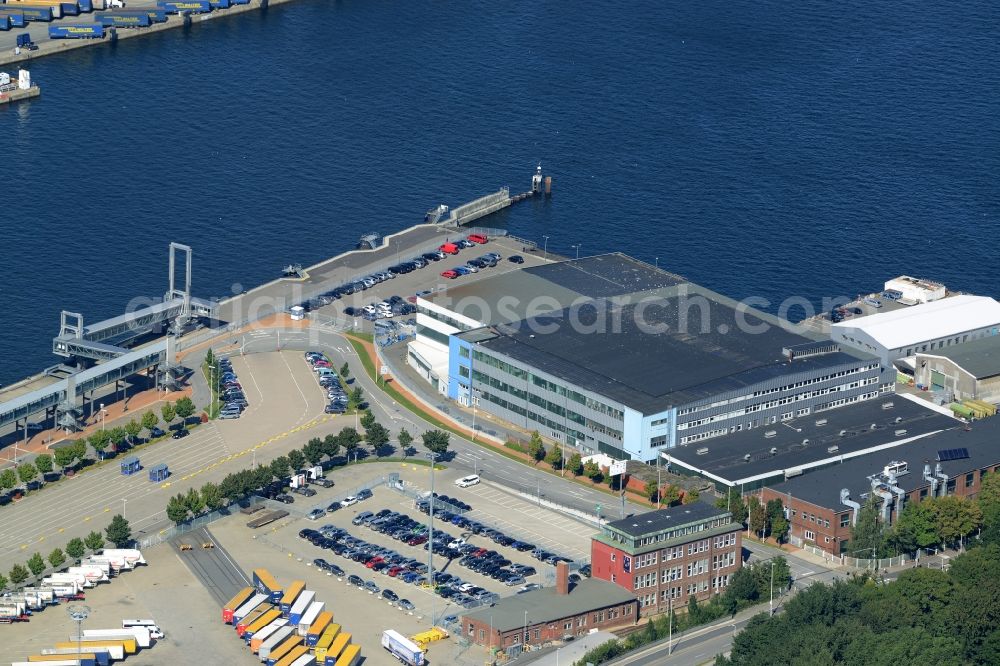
x=102, y=415
x=770, y=603
x=546, y=247
x=525, y=641
x=78, y=613
x=123, y=507
x=577, y=248
x=430, y=532
x=670, y=621
x=657, y=264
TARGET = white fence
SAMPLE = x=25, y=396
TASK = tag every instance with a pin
x=856, y=562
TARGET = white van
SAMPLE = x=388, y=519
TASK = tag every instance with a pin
x=467, y=481
x=150, y=625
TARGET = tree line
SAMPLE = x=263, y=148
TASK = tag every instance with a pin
x=117, y=532
x=238, y=485
x=75, y=453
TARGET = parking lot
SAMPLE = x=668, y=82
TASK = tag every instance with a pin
x=364, y=612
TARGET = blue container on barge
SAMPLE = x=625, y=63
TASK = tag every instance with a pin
x=4, y=23
x=22, y=15
x=69, y=8
x=86, y=5
x=178, y=6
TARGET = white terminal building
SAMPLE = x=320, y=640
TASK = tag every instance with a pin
x=923, y=328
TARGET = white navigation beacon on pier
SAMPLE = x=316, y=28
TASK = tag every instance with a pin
x=536, y=180
x=23, y=79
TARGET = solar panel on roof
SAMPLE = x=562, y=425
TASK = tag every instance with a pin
x=952, y=454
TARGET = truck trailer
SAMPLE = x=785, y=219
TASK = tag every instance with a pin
x=140, y=635
x=77, y=578
x=251, y=617
x=264, y=620
x=102, y=656
x=93, y=573
x=317, y=628
x=260, y=636
x=131, y=555
x=29, y=13
x=238, y=600
x=293, y=655
x=325, y=641
x=340, y=643
x=265, y=583
x=292, y=593
x=301, y=605
x=255, y=601
x=83, y=658
x=123, y=20
x=309, y=617
x=351, y=656
x=273, y=641
x=402, y=648
x=116, y=649
x=278, y=653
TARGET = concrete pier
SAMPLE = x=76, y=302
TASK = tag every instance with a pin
x=19, y=94
x=47, y=47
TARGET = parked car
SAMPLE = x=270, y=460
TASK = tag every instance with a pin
x=516, y=259
x=449, y=274
x=286, y=499
x=180, y=433
x=350, y=500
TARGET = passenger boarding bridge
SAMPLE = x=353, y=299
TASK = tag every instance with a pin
x=103, y=343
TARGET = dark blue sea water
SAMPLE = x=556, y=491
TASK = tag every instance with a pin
x=760, y=148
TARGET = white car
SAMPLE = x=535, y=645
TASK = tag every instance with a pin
x=467, y=481
x=348, y=501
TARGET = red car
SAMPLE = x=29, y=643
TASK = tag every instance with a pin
x=478, y=238
x=449, y=248
x=395, y=571
x=372, y=562
x=416, y=541
x=451, y=275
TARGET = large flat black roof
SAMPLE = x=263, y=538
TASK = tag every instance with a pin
x=979, y=357
x=746, y=456
x=665, y=519
x=822, y=487
x=659, y=349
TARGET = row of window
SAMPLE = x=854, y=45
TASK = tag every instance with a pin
x=844, y=401
x=444, y=319
x=668, y=535
x=698, y=546
x=557, y=428
x=428, y=332
x=725, y=540
x=755, y=394
x=950, y=341
x=519, y=373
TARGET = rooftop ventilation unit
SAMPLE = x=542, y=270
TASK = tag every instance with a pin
x=746, y=457
x=774, y=450
x=843, y=432
x=832, y=449
x=896, y=468
x=789, y=473
x=702, y=451
x=805, y=442
x=770, y=433
x=887, y=405
x=900, y=432
x=898, y=419
x=821, y=422
x=874, y=426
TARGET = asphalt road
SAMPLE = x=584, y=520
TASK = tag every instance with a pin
x=468, y=455
x=214, y=567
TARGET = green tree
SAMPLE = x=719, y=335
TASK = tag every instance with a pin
x=177, y=509
x=280, y=467
x=313, y=451
x=868, y=535
x=99, y=441
x=36, y=564
x=536, y=449
x=331, y=445
x=367, y=419
x=742, y=589
x=757, y=515
x=436, y=441
x=119, y=532
x=8, y=479
x=149, y=421
x=555, y=457
x=209, y=357
x=356, y=397
x=194, y=501
x=211, y=496
x=3, y=582
x=377, y=436
x=671, y=495
x=955, y=517
x=184, y=407
x=94, y=541
x=262, y=476
x=592, y=471
x=117, y=436
x=43, y=463
x=690, y=496
x=231, y=487
x=405, y=439
x=80, y=449
x=575, y=464
x=75, y=548
x=652, y=490
x=780, y=528
x=915, y=527
x=64, y=456
x=132, y=430
x=18, y=574
x=168, y=412
x=27, y=472
x=345, y=370
x=732, y=501
x=296, y=459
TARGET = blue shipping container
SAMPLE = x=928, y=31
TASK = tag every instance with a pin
x=16, y=17
x=4, y=23
x=32, y=13
x=70, y=8
x=219, y=4
x=155, y=15
x=90, y=31
x=177, y=6
x=86, y=5
x=124, y=20
x=241, y=2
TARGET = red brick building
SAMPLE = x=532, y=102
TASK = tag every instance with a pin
x=821, y=504
x=548, y=614
x=663, y=557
